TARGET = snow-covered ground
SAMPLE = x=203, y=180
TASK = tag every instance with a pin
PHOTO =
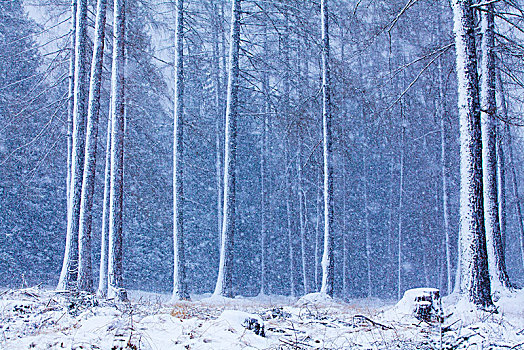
x=42, y=319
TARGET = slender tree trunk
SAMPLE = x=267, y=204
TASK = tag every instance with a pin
x=102, y=280
x=292, y=282
x=224, y=285
x=400, y=206
x=496, y=259
x=263, y=170
x=70, y=103
x=328, y=268
x=475, y=275
x=501, y=183
x=302, y=224
x=115, y=268
x=220, y=113
x=179, y=263
x=345, y=242
x=317, y=231
x=85, y=273
x=511, y=161
x=69, y=273
x=366, y=220
x=444, y=175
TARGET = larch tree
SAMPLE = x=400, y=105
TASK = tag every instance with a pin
x=496, y=259
x=328, y=266
x=224, y=284
x=115, y=250
x=179, y=275
x=102, y=274
x=85, y=274
x=474, y=277
x=69, y=273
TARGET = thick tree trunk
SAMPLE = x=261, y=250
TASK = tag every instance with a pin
x=496, y=258
x=102, y=279
x=69, y=273
x=115, y=269
x=474, y=275
x=85, y=273
x=328, y=268
x=224, y=285
x=179, y=264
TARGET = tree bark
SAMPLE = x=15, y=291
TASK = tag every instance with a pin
x=496, y=258
x=179, y=262
x=85, y=273
x=115, y=268
x=328, y=268
x=475, y=282
x=224, y=285
x=102, y=280
x=69, y=273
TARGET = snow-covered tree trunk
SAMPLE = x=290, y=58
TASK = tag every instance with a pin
x=328, y=268
x=400, y=205
x=474, y=265
x=220, y=114
x=496, y=259
x=263, y=170
x=85, y=273
x=444, y=176
x=290, y=238
x=115, y=253
x=102, y=279
x=302, y=222
x=224, y=285
x=345, y=241
x=367, y=224
x=69, y=273
x=317, y=230
x=511, y=165
x=70, y=102
x=179, y=263
x=501, y=183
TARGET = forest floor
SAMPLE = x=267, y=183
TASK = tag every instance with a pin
x=35, y=318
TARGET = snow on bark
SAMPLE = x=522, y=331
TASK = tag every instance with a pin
x=224, y=285
x=302, y=222
x=496, y=259
x=102, y=280
x=70, y=102
x=328, y=269
x=69, y=273
x=115, y=254
x=179, y=275
x=85, y=273
x=474, y=279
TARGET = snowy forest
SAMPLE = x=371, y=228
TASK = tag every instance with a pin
x=230, y=156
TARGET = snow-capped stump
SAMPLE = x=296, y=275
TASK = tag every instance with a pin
x=422, y=303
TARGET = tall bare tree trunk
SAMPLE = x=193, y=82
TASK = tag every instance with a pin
x=224, y=285
x=102, y=279
x=511, y=161
x=302, y=223
x=475, y=282
x=496, y=257
x=179, y=262
x=85, y=273
x=69, y=273
x=328, y=268
x=115, y=268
